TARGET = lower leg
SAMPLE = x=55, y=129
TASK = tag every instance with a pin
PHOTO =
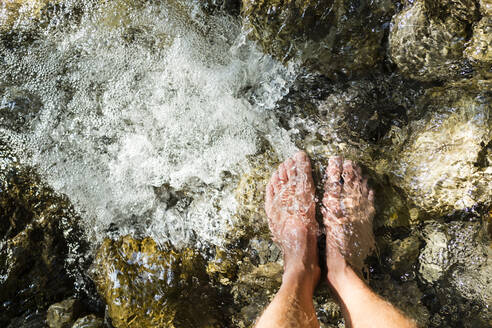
x=360, y=305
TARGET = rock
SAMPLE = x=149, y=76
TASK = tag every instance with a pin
x=486, y=7
x=146, y=286
x=425, y=46
x=404, y=256
x=250, y=194
x=232, y=7
x=63, y=314
x=455, y=268
x=440, y=166
x=89, y=321
x=464, y=10
x=254, y=289
x=331, y=37
x=479, y=50
x=33, y=244
x=407, y=297
x=16, y=13
x=434, y=259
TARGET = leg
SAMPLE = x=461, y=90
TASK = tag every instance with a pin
x=290, y=207
x=345, y=202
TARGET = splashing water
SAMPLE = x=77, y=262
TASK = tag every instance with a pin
x=143, y=115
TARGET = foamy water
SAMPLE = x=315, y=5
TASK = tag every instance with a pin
x=143, y=115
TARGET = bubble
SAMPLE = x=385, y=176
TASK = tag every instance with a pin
x=153, y=97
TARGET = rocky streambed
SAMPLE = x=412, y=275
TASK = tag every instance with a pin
x=137, y=137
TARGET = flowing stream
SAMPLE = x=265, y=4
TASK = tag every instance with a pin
x=146, y=115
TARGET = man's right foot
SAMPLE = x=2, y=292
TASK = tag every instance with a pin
x=348, y=209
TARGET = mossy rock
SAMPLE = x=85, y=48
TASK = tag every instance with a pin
x=36, y=227
x=250, y=194
x=144, y=285
x=427, y=45
x=331, y=37
x=254, y=289
x=16, y=13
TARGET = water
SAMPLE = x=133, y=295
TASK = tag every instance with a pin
x=146, y=115
x=161, y=100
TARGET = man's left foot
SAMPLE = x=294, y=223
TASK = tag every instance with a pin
x=290, y=206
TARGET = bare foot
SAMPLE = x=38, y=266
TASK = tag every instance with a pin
x=290, y=207
x=348, y=209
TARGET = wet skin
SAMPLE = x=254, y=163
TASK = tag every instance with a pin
x=290, y=207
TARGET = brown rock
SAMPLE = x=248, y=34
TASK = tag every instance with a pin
x=146, y=286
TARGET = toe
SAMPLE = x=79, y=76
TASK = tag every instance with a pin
x=333, y=186
x=275, y=182
x=290, y=166
x=303, y=165
x=282, y=173
x=349, y=172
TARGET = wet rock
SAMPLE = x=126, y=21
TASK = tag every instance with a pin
x=455, y=268
x=146, y=286
x=20, y=12
x=426, y=43
x=63, y=314
x=486, y=7
x=404, y=256
x=232, y=7
x=434, y=259
x=254, y=289
x=407, y=297
x=479, y=50
x=464, y=10
x=33, y=245
x=89, y=321
x=439, y=167
x=328, y=310
x=18, y=108
x=250, y=194
x=331, y=37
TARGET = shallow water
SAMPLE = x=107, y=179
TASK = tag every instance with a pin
x=147, y=116
x=165, y=100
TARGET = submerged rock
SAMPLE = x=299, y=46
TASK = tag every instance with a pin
x=331, y=37
x=456, y=269
x=254, y=289
x=145, y=286
x=426, y=43
x=439, y=167
x=250, y=194
x=486, y=7
x=407, y=297
x=14, y=13
x=63, y=314
x=479, y=50
x=89, y=321
x=33, y=245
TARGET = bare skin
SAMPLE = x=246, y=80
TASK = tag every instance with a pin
x=290, y=207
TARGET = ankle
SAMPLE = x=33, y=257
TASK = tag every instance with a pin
x=302, y=275
x=336, y=264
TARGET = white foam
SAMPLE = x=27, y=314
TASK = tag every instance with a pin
x=182, y=102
